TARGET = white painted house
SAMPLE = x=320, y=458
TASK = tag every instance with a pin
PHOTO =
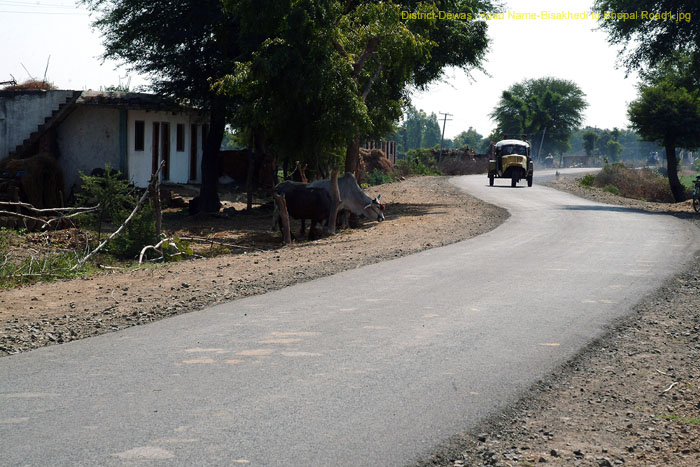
x=85, y=130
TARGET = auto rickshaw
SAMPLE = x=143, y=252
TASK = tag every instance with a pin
x=510, y=158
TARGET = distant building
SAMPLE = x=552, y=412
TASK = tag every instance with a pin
x=85, y=130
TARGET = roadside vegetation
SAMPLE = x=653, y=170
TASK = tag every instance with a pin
x=643, y=184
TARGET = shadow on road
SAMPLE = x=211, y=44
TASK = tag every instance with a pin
x=680, y=215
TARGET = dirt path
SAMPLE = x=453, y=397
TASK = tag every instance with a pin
x=631, y=398
x=421, y=213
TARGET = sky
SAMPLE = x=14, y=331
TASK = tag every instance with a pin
x=33, y=30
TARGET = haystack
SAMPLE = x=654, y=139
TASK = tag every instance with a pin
x=39, y=177
x=31, y=85
x=371, y=159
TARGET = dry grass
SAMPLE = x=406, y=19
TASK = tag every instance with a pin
x=30, y=85
x=644, y=184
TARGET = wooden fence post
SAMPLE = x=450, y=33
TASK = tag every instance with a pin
x=335, y=202
x=282, y=207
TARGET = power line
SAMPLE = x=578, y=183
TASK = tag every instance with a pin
x=77, y=13
x=35, y=4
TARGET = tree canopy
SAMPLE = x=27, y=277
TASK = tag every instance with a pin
x=646, y=42
x=470, y=138
x=590, y=138
x=547, y=106
x=670, y=115
x=333, y=72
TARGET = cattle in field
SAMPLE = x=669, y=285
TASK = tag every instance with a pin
x=352, y=199
x=303, y=202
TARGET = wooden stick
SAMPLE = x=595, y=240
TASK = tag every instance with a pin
x=335, y=203
x=32, y=208
x=216, y=242
x=302, y=172
x=81, y=263
x=153, y=247
x=284, y=215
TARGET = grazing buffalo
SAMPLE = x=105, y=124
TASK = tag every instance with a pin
x=353, y=199
x=303, y=202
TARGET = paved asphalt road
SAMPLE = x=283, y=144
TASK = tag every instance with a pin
x=371, y=367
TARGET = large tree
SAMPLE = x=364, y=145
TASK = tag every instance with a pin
x=547, y=110
x=670, y=115
x=646, y=43
x=293, y=90
x=590, y=138
x=470, y=138
x=181, y=48
x=340, y=71
x=389, y=53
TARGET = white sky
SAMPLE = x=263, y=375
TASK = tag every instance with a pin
x=31, y=30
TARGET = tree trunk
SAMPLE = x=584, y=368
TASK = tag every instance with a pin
x=335, y=202
x=673, y=180
x=352, y=156
x=208, y=194
x=249, y=179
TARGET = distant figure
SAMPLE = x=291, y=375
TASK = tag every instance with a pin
x=549, y=161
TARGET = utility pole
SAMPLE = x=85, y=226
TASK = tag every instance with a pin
x=442, y=138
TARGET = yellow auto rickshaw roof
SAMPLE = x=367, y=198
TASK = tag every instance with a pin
x=515, y=142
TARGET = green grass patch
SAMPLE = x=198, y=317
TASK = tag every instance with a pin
x=684, y=420
x=587, y=180
x=688, y=181
x=611, y=189
x=45, y=268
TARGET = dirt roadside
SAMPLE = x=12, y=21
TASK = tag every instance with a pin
x=421, y=213
x=630, y=398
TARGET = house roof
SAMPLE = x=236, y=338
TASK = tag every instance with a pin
x=131, y=100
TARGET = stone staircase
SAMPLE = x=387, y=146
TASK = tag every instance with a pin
x=31, y=144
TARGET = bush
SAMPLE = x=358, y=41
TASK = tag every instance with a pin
x=141, y=231
x=379, y=177
x=587, y=180
x=634, y=183
x=612, y=189
x=111, y=192
x=117, y=199
x=414, y=165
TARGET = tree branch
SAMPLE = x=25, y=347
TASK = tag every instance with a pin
x=369, y=51
x=371, y=81
x=339, y=48
x=154, y=178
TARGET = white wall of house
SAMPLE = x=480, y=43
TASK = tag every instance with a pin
x=22, y=113
x=140, y=162
x=88, y=139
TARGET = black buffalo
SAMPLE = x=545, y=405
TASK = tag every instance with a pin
x=304, y=202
